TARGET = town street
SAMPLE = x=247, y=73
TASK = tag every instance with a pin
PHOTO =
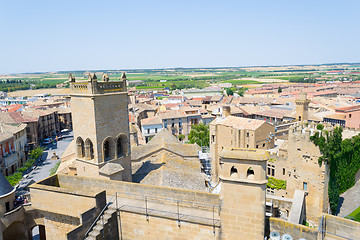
x=44, y=168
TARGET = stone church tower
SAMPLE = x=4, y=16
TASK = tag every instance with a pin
x=101, y=127
x=302, y=108
x=243, y=193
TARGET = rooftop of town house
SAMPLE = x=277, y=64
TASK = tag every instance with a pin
x=239, y=122
x=4, y=136
x=12, y=128
x=260, y=91
x=227, y=100
x=249, y=110
x=321, y=93
x=348, y=109
x=169, y=114
x=194, y=102
x=36, y=113
x=198, y=98
x=175, y=105
x=12, y=107
x=274, y=113
x=142, y=107
x=15, y=117
x=176, y=97
x=156, y=120
x=235, y=110
x=337, y=116
x=63, y=110
x=207, y=116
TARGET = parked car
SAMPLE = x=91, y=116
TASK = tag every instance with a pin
x=47, y=141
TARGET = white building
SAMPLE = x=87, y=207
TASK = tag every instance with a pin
x=150, y=127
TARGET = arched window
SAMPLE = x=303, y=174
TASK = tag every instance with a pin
x=121, y=146
x=108, y=149
x=233, y=172
x=80, y=151
x=89, y=149
x=250, y=173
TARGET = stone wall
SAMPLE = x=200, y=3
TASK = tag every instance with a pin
x=96, y=185
x=297, y=231
x=340, y=226
x=299, y=167
x=135, y=226
x=64, y=209
x=59, y=201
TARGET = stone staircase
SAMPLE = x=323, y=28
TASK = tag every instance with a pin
x=96, y=232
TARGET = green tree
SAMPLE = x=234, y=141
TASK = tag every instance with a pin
x=343, y=157
x=229, y=92
x=242, y=91
x=199, y=134
x=36, y=153
x=181, y=137
x=279, y=90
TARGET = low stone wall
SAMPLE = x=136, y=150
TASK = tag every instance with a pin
x=135, y=190
x=341, y=226
x=135, y=226
x=295, y=230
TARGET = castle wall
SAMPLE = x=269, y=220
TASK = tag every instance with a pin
x=63, y=209
x=297, y=231
x=243, y=190
x=50, y=200
x=243, y=212
x=135, y=226
x=341, y=226
x=301, y=171
x=96, y=185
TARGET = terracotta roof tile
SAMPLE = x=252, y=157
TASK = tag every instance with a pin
x=239, y=122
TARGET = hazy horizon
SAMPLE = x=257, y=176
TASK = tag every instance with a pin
x=49, y=36
x=215, y=67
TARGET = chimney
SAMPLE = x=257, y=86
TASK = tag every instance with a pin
x=226, y=111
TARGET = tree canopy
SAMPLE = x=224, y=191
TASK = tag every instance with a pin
x=343, y=157
x=199, y=134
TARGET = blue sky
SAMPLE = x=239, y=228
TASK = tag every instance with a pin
x=84, y=35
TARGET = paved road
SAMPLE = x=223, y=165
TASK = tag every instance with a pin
x=44, y=168
x=349, y=200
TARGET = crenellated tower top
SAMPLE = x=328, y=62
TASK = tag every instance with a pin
x=93, y=86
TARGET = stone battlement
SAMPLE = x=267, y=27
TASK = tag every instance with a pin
x=93, y=86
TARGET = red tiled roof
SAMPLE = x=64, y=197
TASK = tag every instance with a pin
x=198, y=98
x=239, y=122
x=151, y=121
x=348, y=109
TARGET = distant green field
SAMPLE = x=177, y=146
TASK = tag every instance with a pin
x=149, y=87
x=242, y=82
x=355, y=215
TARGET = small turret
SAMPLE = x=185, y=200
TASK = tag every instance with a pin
x=92, y=77
x=71, y=78
x=105, y=77
x=302, y=106
x=123, y=76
